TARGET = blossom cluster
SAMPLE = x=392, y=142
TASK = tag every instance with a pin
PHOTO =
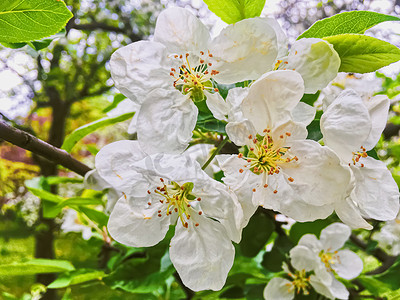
x=179, y=73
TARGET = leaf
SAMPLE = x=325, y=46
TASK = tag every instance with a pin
x=36, y=45
x=71, y=140
x=299, y=229
x=362, y=54
x=96, y=216
x=232, y=11
x=118, y=98
x=76, y=277
x=256, y=234
x=36, y=266
x=24, y=21
x=346, y=22
x=310, y=98
x=59, y=179
x=36, y=186
x=207, y=122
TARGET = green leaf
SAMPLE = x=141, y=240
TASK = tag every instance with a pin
x=71, y=140
x=36, y=45
x=118, y=98
x=310, y=98
x=232, y=11
x=346, y=22
x=36, y=187
x=59, y=179
x=76, y=277
x=362, y=54
x=96, y=216
x=300, y=229
x=256, y=234
x=36, y=266
x=24, y=21
x=207, y=122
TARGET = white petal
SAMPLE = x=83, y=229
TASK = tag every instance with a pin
x=310, y=241
x=239, y=132
x=349, y=214
x=221, y=204
x=335, y=290
x=281, y=38
x=113, y=164
x=94, y=181
x=378, y=108
x=376, y=191
x=318, y=172
x=272, y=98
x=139, y=68
x=202, y=255
x=217, y=105
x=244, y=51
x=137, y=228
x=303, y=258
x=334, y=236
x=279, y=289
x=240, y=183
x=316, y=61
x=234, y=99
x=303, y=113
x=349, y=266
x=346, y=125
x=165, y=121
x=181, y=31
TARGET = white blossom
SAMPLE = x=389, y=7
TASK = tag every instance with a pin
x=351, y=127
x=281, y=169
x=165, y=189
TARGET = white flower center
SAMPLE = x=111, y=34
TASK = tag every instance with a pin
x=194, y=80
x=177, y=199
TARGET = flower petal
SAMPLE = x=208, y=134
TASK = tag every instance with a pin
x=181, y=31
x=234, y=99
x=317, y=172
x=281, y=38
x=140, y=68
x=376, y=192
x=378, y=108
x=303, y=113
x=217, y=105
x=239, y=132
x=310, y=241
x=335, y=290
x=303, y=258
x=349, y=214
x=113, y=164
x=316, y=60
x=244, y=51
x=202, y=255
x=350, y=264
x=165, y=122
x=334, y=236
x=137, y=228
x=279, y=288
x=272, y=98
x=346, y=125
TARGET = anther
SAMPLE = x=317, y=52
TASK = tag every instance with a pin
x=200, y=213
x=201, y=52
x=197, y=224
x=176, y=210
x=281, y=136
x=216, y=90
x=240, y=155
x=290, y=179
x=210, y=55
x=199, y=199
x=180, y=56
x=148, y=192
x=255, y=141
x=210, y=64
x=251, y=149
x=362, y=165
x=202, y=61
x=265, y=185
x=187, y=54
x=159, y=215
x=288, y=134
x=149, y=203
x=162, y=180
x=188, y=205
x=275, y=191
x=186, y=225
x=254, y=190
x=241, y=171
x=250, y=137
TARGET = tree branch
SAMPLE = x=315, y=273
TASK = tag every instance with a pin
x=29, y=142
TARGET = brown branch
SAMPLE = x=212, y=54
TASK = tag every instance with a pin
x=29, y=142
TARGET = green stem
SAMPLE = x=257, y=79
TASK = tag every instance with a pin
x=222, y=144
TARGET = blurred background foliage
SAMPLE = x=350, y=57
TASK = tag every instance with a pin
x=67, y=85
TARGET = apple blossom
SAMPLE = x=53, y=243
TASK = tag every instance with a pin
x=280, y=169
x=165, y=189
x=351, y=127
x=389, y=236
x=182, y=62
